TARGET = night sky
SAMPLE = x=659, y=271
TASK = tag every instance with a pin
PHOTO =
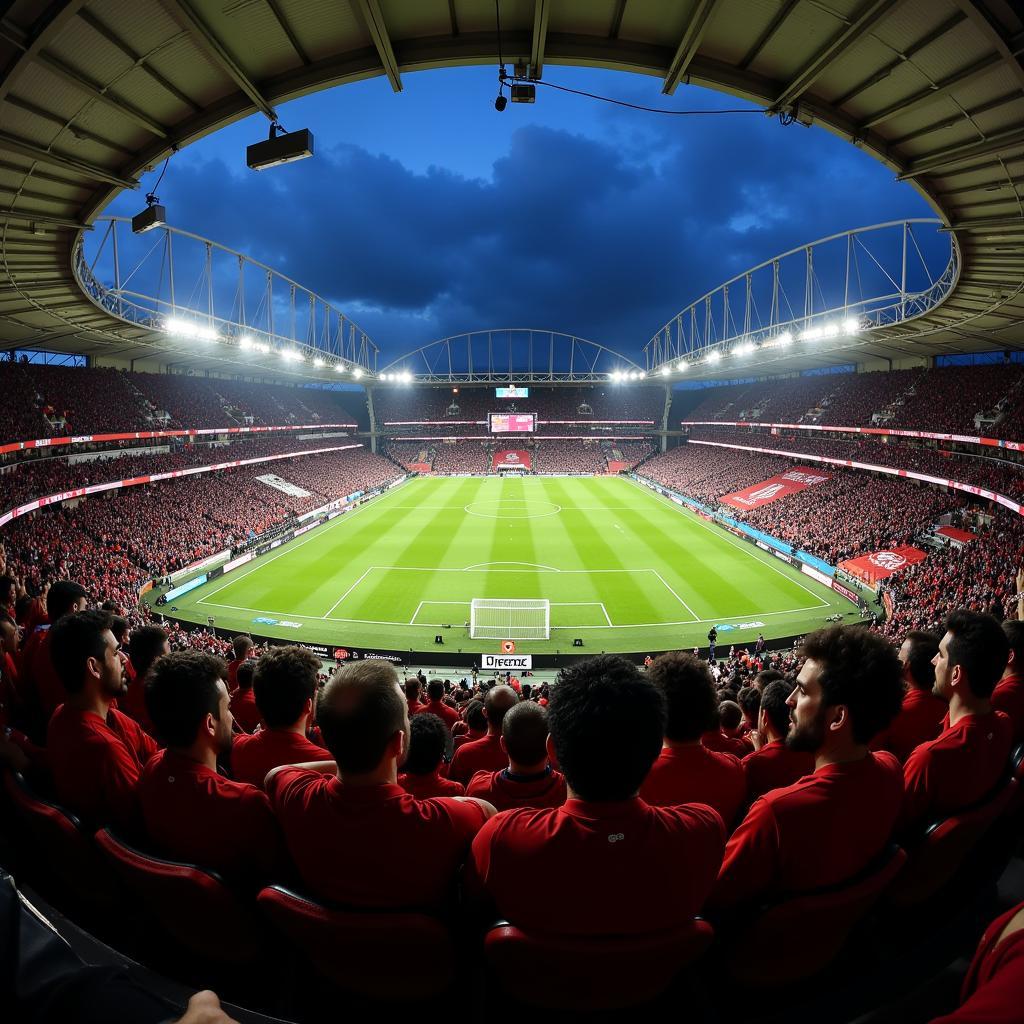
x=427, y=213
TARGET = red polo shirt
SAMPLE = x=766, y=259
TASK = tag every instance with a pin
x=717, y=740
x=133, y=704
x=483, y=755
x=425, y=787
x=233, y=673
x=507, y=791
x=956, y=769
x=39, y=677
x=696, y=775
x=919, y=720
x=96, y=764
x=372, y=846
x=617, y=867
x=820, y=831
x=1008, y=697
x=193, y=814
x=466, y=737
x=775, y=766
x=436, y=707
x=253, y=756
x=244, y=710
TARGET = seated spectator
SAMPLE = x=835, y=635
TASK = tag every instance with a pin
x=829, y=825
x=412, y=694
x=654, y=865
x=241, y=647
x=191, y=812
x=428, y=738
x=285, y=684
x=17, y=751
x=766, y=676
x=147, y=645
x=356, y=837
x=528, y=780
x=921, y=715
x=749, y=700
x=686, y=771
x=485, y=754
x=95, y=753
x=436, y=706
x=722, y=735
x=964, y=763
x=243, y=701
x=773, y=764
x=475, y=722
x=1008, y=695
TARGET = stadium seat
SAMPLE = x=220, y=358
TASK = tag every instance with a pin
x=582, y=973
x=189, y=903
x=386, y=955
x=798, y=938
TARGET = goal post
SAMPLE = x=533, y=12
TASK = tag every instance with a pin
x=493, y=618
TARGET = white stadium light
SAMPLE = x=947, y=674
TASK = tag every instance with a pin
x=811, y=334
x=245, y=343
x=291, y=355
x=682, y=367
x=714, y=357
x=830, y=331
x=189, y=329
x=339, y=367
x=851, y=325
x=406, y=377
x=262, y=347
x=744, y=348
x=666, y=371
x=357, y=373
x=785, y=338
x=318, y=362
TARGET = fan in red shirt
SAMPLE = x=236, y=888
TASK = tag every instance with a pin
x=242, y=647
x=528, y=780
x=686, y=771
x=773, y=764
x=16, y=749
x=830, y=825
x=475, y=722
x=191, y=812
x=243, y=701
x=723, y=735
x=95, y=753
x=356, y=837
x=921, y=715
x=436, y=706
x=412, y=694
x=613, y=864
x=428, y=739
x=486, y=754
x=147, y=645
x=1008, y=695
x=965, y=762
x=285, y=684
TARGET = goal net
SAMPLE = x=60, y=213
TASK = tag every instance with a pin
x=509, y=619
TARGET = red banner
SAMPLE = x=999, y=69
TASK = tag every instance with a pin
x=794, y=480
x=615, y=466
x=880, y=564
x=960, y=536
x=511, y=460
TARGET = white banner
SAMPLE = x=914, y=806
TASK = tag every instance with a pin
x=506, y=662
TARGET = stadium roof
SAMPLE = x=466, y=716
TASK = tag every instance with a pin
x=94, y=92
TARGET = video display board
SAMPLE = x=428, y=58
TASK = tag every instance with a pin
x=512, y=392
x=512, y=423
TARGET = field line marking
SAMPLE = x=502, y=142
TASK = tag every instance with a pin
x=608, y=618
x=664, y=583
x=347, y=592
x=534, y=565
x=412, y=621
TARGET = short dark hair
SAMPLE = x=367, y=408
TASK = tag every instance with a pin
x=6, y=582
x=607, y=724
x=61, y=596
x=144, y=647
x=774, y=706
x=1014, y=630
x=475, y=718
x=73, y=640
x=359, y=711
x=766, y=676
x=749, y=699
x=241, y=645
x=180, y=692
x=244, y=674
x=729, y=714
x=980, y=646
x=435, y=689
x=285, y=678
x=860, y=670
x=689, y=691
x=923, y=647
x=525, y=731
x=412, y=688
x=497, y=702
x=428, y=737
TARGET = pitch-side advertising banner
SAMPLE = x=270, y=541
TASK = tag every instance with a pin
x=505, y=662
x=782, y=486
x=880, y=564
x=511, y=460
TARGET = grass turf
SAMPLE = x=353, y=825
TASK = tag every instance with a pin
x=623, y=569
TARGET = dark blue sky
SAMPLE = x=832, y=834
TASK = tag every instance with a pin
x=428, y=213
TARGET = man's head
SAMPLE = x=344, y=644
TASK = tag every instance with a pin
x=146, y=645
x=364, y=717
x=86, y=656
x=65, y=597
x=475, y=717
x=242, y=645
x=435, y=689
x=1014, y=630
x=524, y=735
x=774, y=711
x=284, y=685
x=244, y=675
x=916, y=654
x=427, y=738
x=8, y=591
x=188, y=701
x=689, y=692
x=971, y=656
x=766, y=676
x=607, y=723
x=849, y=689
x=749, y=700
x=412, y=688
x=496, y=705
x=9, y=638
x=730, y=714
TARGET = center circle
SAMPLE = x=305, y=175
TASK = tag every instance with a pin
x=512, y=508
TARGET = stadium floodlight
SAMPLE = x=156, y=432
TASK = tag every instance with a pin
x=812, y=334
x=153, y=216
x=714, y=357
x=290, y=355
x=318, y=362
x=682, y=366
x=666, y=371
x=851, y=325
x=357, y=372
x=182, y=328
x=262, y=346
x=831, y=330
x=339, y=367
x=784, y=339
x=744, y=348
x=245, y=343
x=280, y=148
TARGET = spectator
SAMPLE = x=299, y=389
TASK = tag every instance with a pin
x=422, y=778
x=285, y=684
x=773, y=764
x=970, y=756
x=243, y=701
x=528, y=780
x=686, y=770
x=1008, y=695
x=148, y=644
x=191, y=812
x=723, y=735
x=607, y=723
x=242, y=647
x=476, y=724
x=349, y=826
x=412, y=695
x=749, y=700
x=95, y=753
x=436, y=706
x=485, y=754
x=829, y=825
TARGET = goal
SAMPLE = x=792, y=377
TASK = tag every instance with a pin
x=509, y=619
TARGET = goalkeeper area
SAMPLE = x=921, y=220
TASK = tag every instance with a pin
x=601, y=559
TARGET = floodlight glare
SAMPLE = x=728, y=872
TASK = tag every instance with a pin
x=290, y=355
x=812, y=334
x=318, y=362
x=245, y=343
x=357, y=373
x=181, y=328
x=339, y=368
x=714, y=357
x=682, y=367
x=851, y=325
x=279, y=149
x=785, y=338
x=666, y=371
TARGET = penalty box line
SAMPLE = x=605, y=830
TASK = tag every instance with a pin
x=553, y=604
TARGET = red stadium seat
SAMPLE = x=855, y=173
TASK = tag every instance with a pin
x=189, y=903
x=583, y=973
x=799, y=937
x=386, y=955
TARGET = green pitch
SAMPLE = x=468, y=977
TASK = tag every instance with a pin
x=623, y=569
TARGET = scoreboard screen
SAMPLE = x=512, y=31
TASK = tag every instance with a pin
x=512, y=423
x=512, y=392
